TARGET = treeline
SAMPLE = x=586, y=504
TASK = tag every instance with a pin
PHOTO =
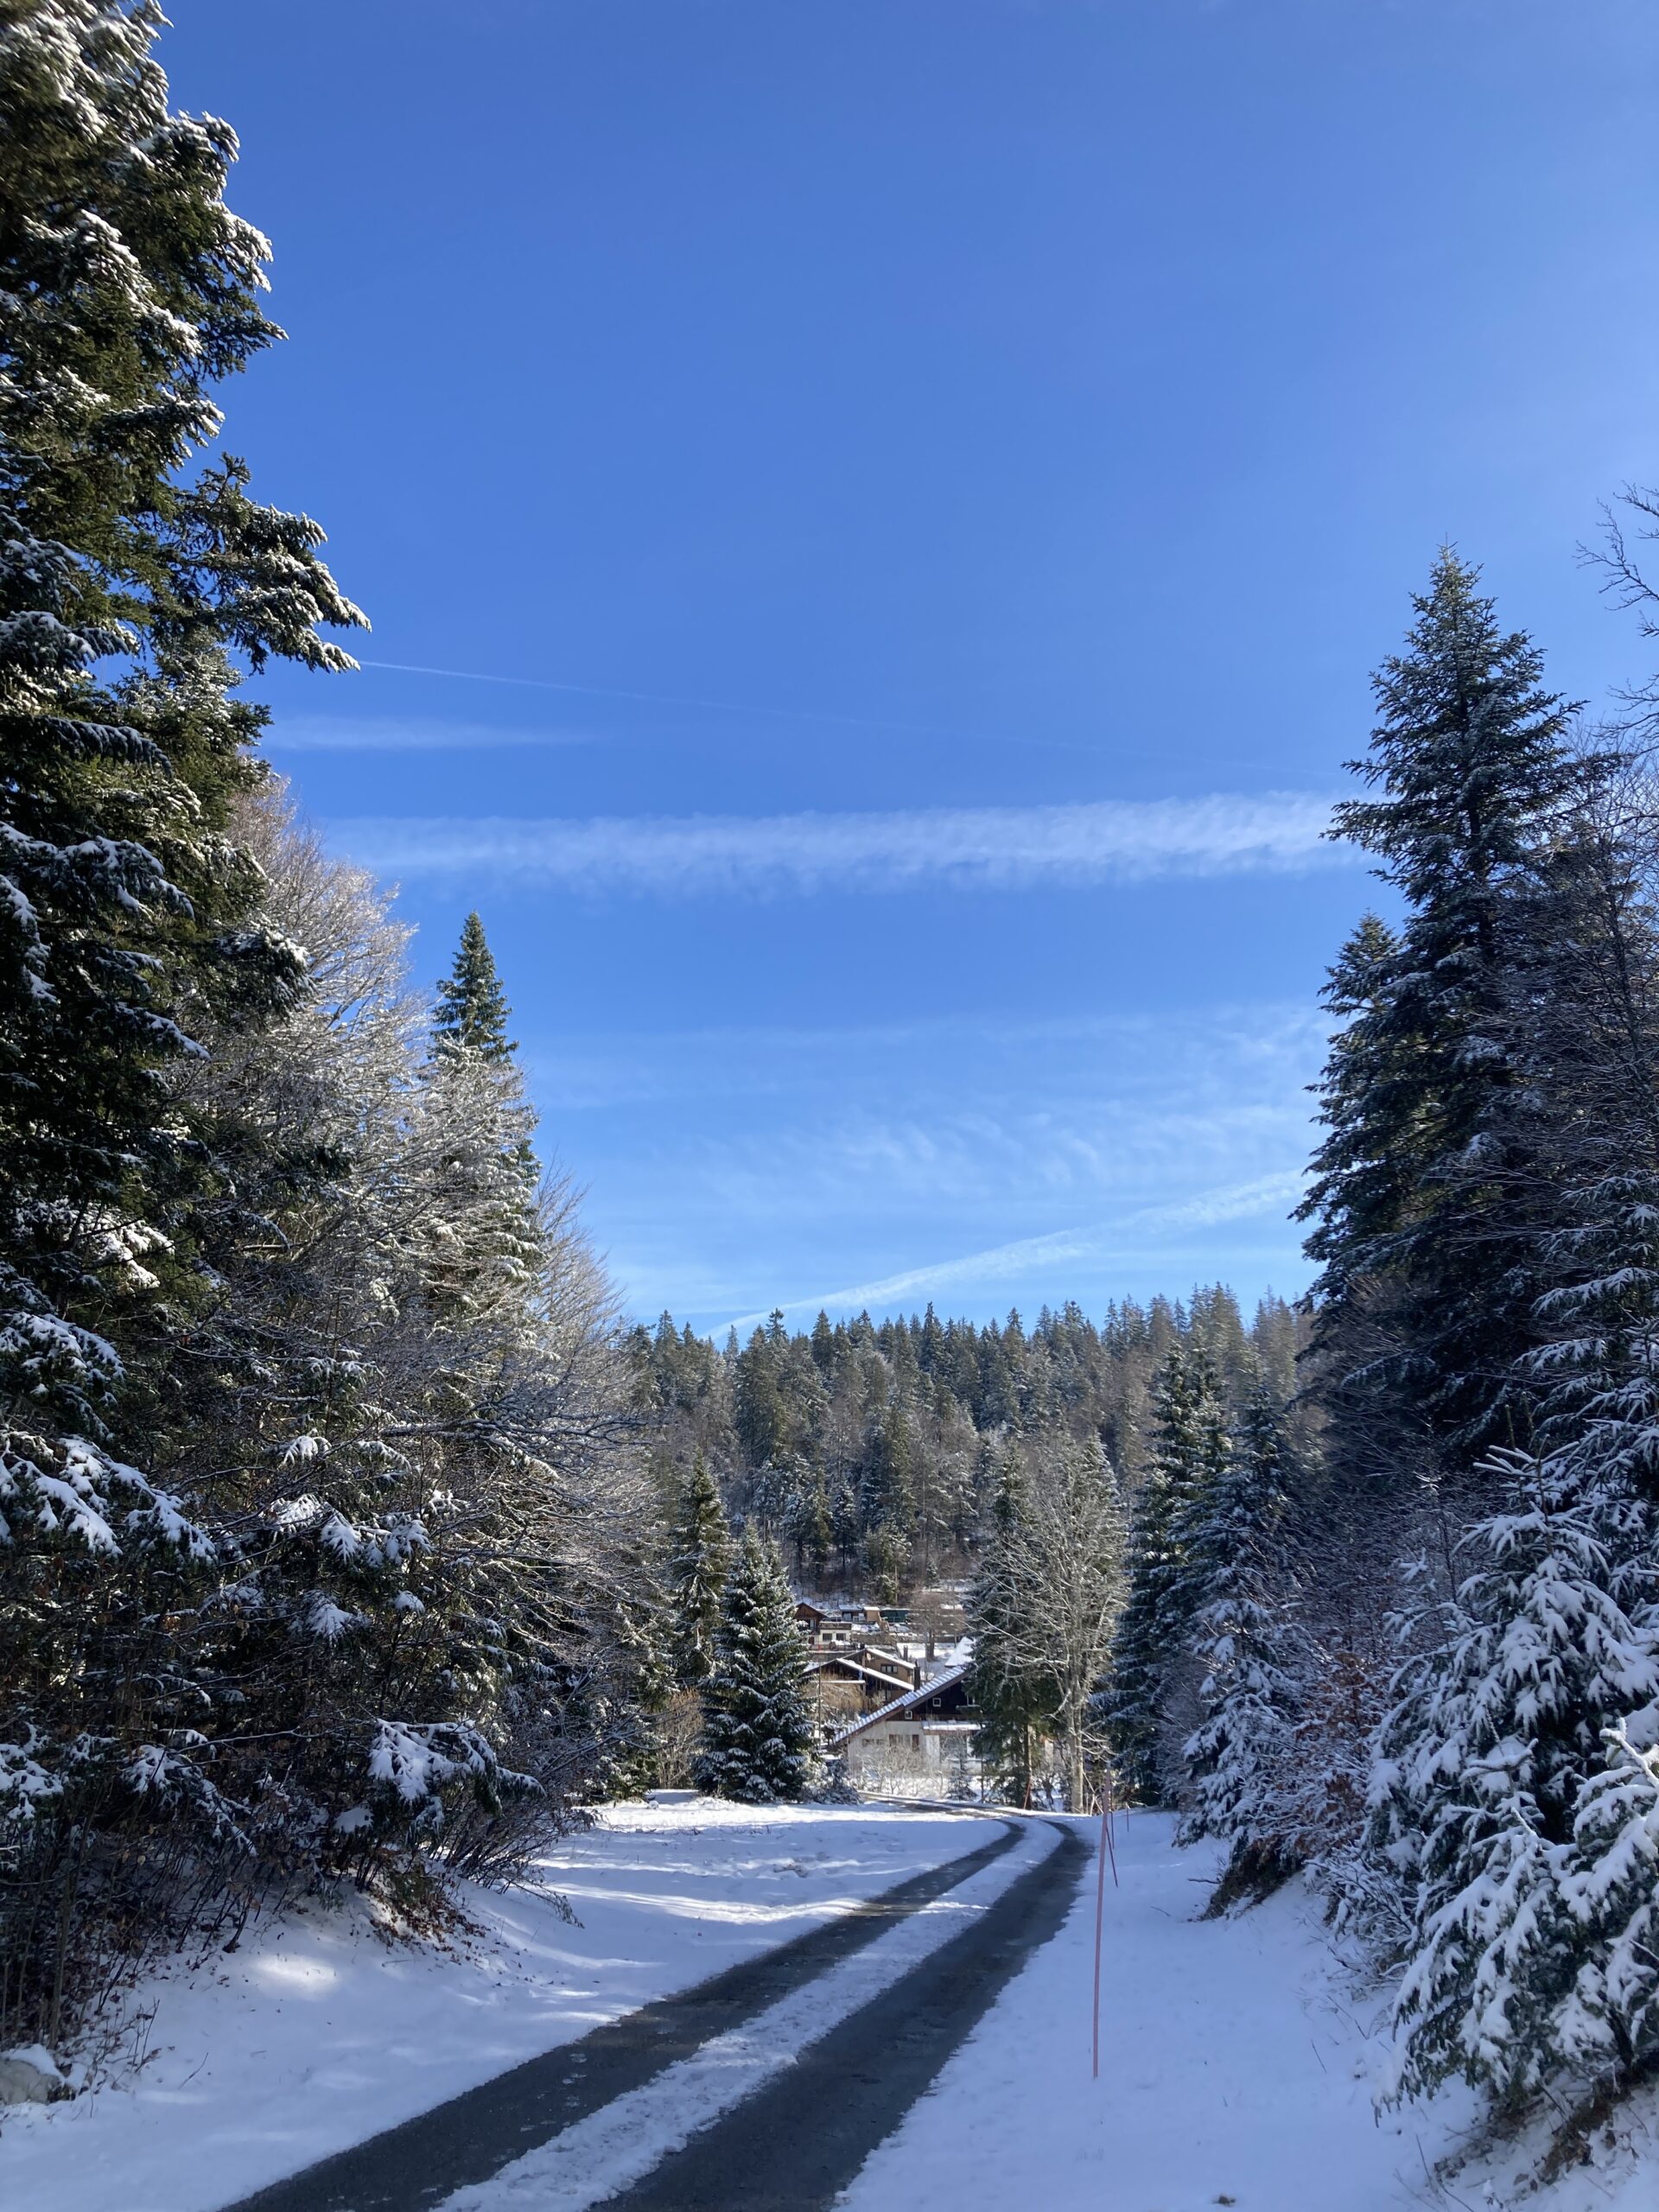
x=1423, y=1663
x=320, y=1523
x=872, y=1451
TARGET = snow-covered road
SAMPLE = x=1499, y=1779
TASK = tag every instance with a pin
x=759, y=2156
x=316, y=2034
x=1235, y=2069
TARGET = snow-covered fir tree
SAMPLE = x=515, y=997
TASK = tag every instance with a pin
x=323, y=1547
x=1012, y=1692
x=1237, y=1756
x=1608, y=2029
x=1133, y=1704
x=474, y=1161
x=1481, y=1778
x=1422, y=1200
x=698, y=1567
x=130, y=915
x=758, y=1735
x=472, y=1013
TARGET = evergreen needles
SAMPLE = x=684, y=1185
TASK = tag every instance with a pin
x=757, y=1731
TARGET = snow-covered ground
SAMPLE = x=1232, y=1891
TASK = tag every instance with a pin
x=1235, y=2068
x=315, y=2033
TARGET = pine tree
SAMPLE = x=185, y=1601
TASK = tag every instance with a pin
x=1609, y=2026
x=1481, y=1781
x=758, y=1736
x=472, y=1013
x=1014, y=1697
x=1421, y=1203
x=131, y=918
x=810, y=1524
x=1236, y=1755
x=1165, y=1589
x=698, y=1568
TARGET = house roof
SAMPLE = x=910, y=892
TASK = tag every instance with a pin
x=846, y=1659
x=896, y=1706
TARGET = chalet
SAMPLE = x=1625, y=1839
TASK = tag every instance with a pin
x=847, y=1683
x=841, y=1622
x=928, y=1731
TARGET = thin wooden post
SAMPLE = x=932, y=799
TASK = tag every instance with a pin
x=1108, y=1850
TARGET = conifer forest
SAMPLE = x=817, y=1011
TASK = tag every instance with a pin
x=358, y=1535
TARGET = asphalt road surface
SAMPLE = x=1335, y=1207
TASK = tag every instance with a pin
x=795, y=2142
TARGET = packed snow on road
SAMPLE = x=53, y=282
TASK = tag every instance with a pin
x=1236, y=2066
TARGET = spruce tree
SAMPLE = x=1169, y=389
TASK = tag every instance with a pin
x=1422, y=1201
x=1481, y=1783
x=889, y=1498
x=128, y=915
x=758, y=1732
x=1236, y=1755
x=1609, y=2026
x=811, y=1523
x=698, y=1567
x=1015, y=1700
x=137, y=582
x=1587, y=1029
x=472, y=1013
x=484, y=1232
x=757, y=1409
x=1166, y=1587
x=131, y=918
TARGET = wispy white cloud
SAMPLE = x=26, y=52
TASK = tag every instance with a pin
x=967, y=848
x=1268, y=1198
x=1268, y=1194
x=402, y=734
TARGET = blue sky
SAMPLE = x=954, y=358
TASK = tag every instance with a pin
x=927, y=481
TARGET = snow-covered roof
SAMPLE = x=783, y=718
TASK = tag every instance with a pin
x=895, y=1706
x=846, y=1659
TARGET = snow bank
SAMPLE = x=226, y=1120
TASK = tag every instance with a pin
x=1234, y=2069
x=314, y=2033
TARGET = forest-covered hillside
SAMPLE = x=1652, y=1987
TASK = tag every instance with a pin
x=872, y=1449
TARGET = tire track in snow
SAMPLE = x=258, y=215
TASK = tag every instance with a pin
x=779, y=2114
x=467, y=2140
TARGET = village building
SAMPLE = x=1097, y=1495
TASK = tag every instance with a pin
x=922, y=1738
x=839, y=1622
x=849, y=1683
